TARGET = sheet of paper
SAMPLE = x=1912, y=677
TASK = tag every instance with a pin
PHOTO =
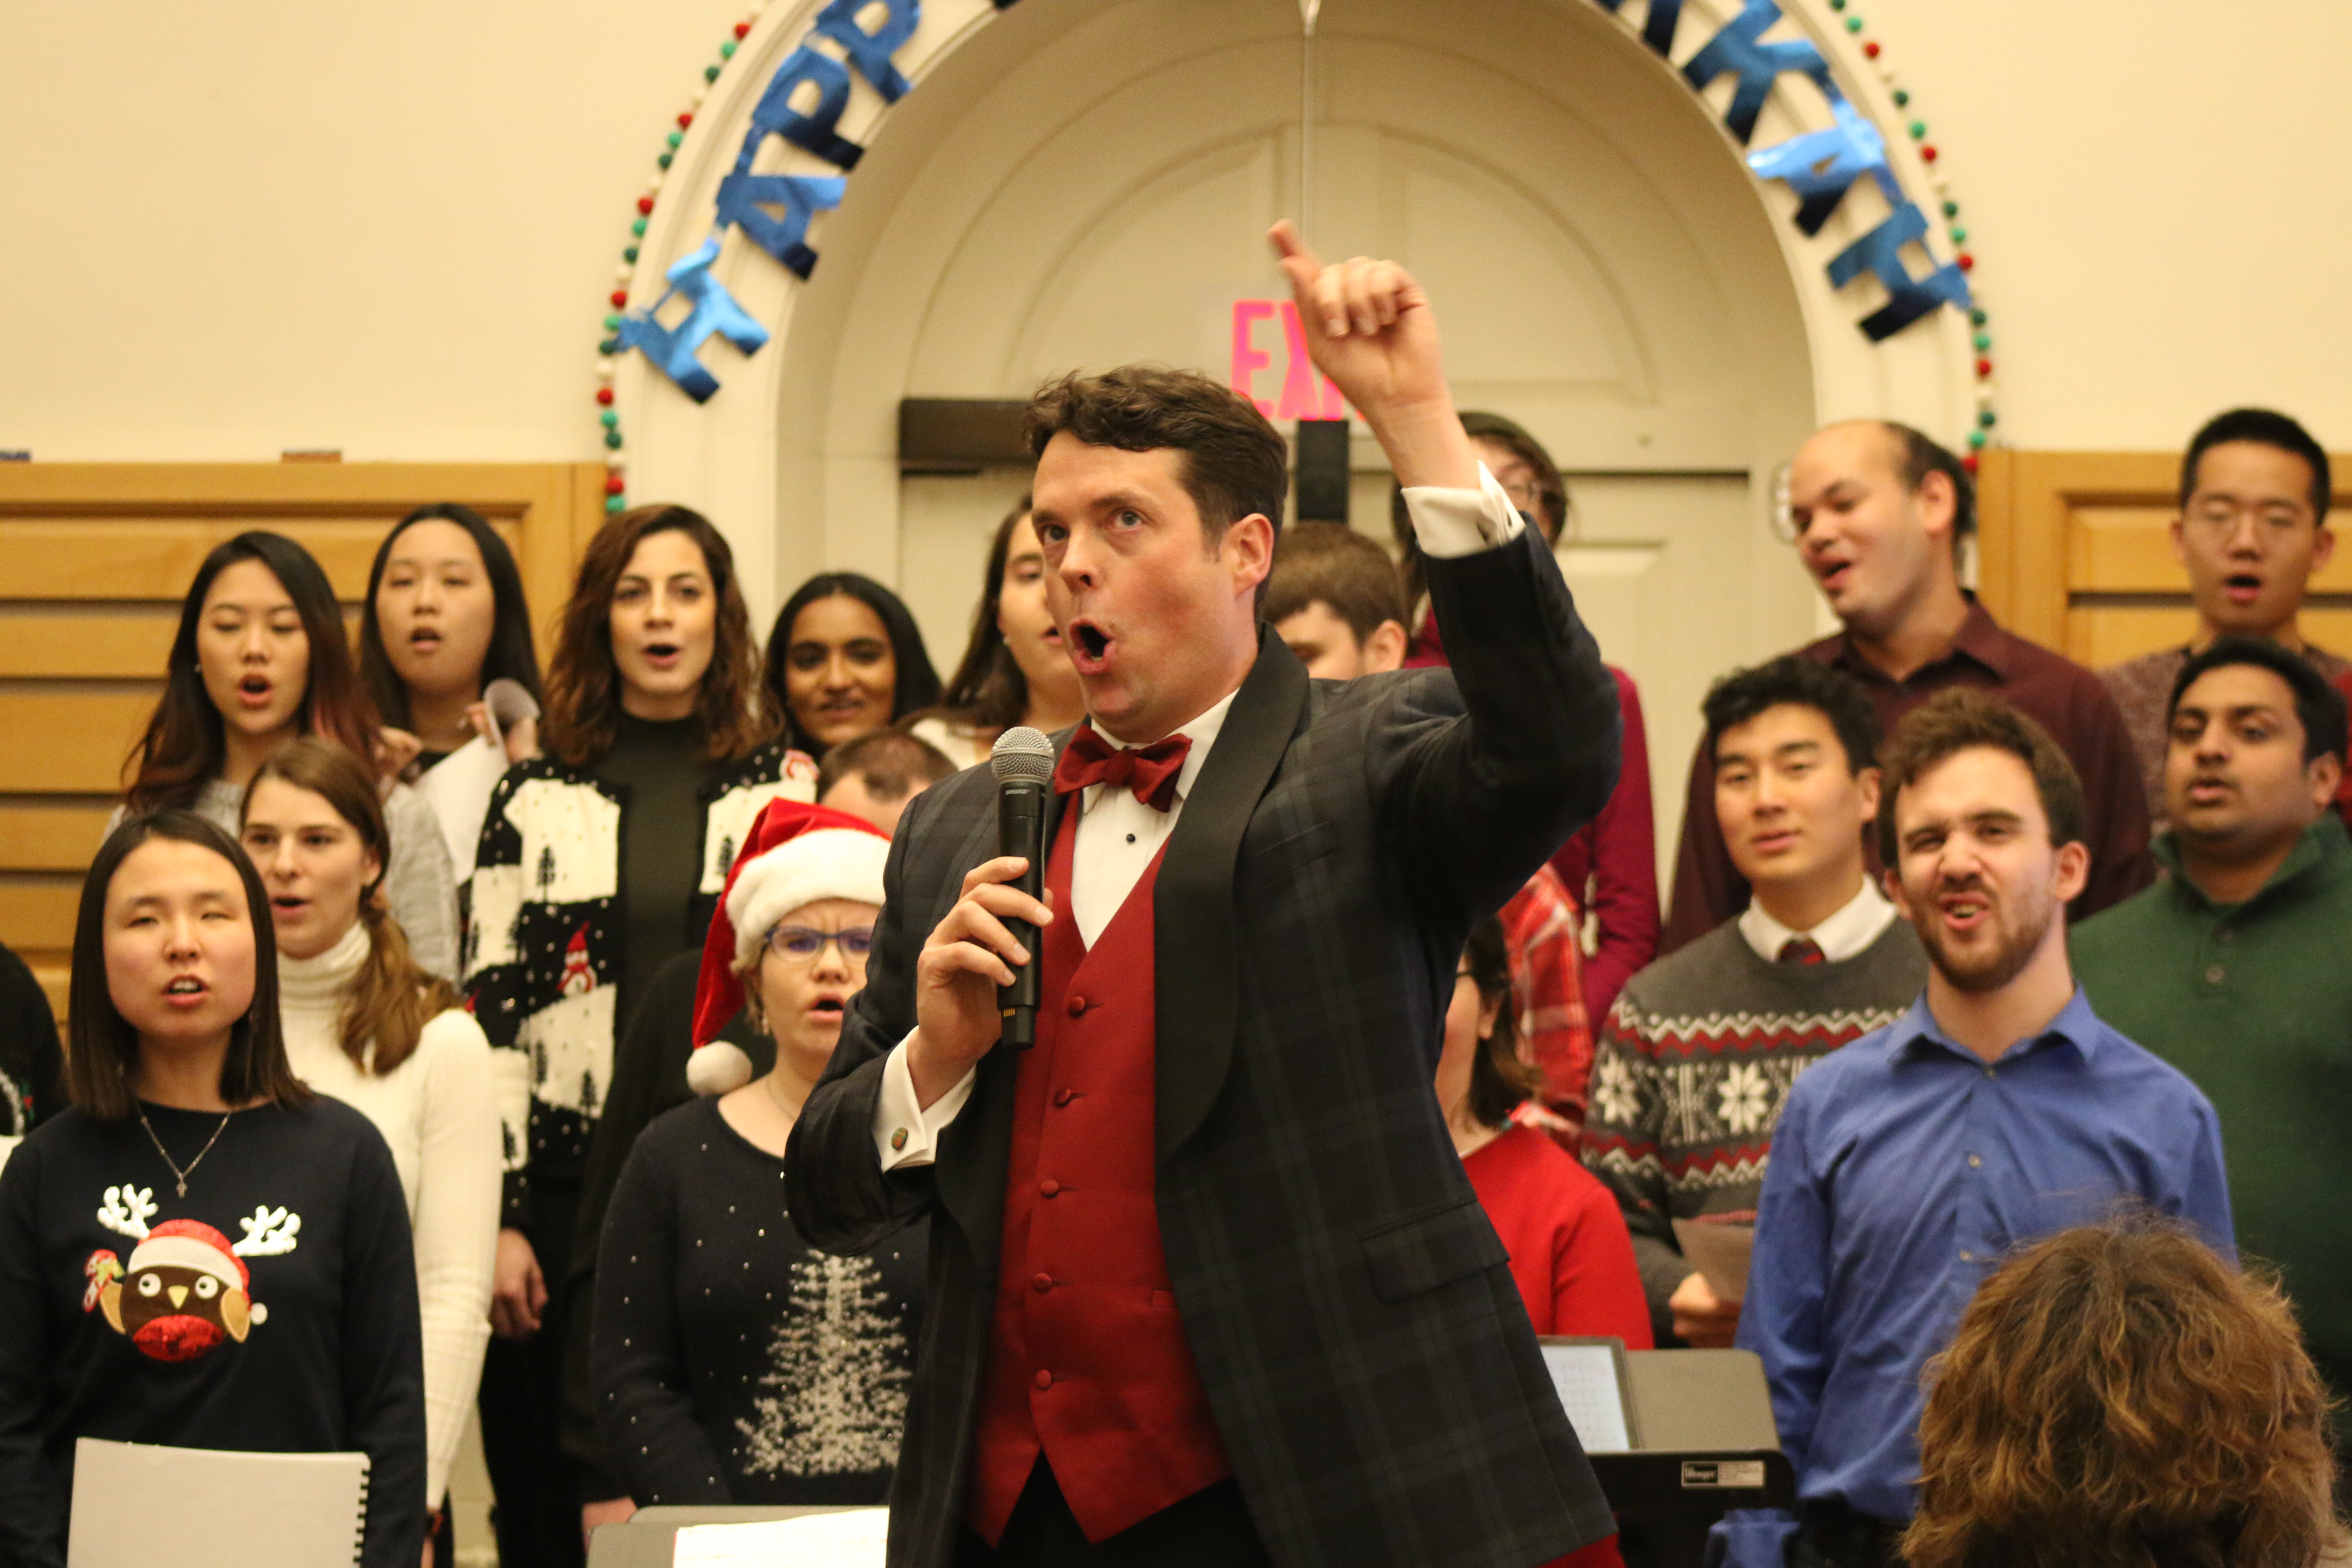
x=458, y=789
x=852, y=1538
x=1721, y=1254
x=1586, y=1376
x=214, y=1508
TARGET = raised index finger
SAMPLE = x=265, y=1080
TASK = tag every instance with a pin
x=1297, y=258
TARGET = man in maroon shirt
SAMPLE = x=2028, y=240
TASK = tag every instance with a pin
x=1880, y=513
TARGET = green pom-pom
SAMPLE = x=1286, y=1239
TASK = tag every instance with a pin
x=1853, y=23
x=1987, y=418
x=630, y=255
x=609, y=346
x=611, y=321
x=1977, y=318
x=1976, y=438
x=674, y=138
x=612, y=440
x=638, y=228
x=664, y=160
x=1951, y=209
x=1902, y=99
x=1984, y=343
x=1919, y=130
x=1837, y=4
x=609, y=420
x=1960, y=234
x=727, y=50
x=710, y=73
x=616, y=503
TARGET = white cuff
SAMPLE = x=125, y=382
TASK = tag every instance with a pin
x=1451, y=522
x=904, y=1133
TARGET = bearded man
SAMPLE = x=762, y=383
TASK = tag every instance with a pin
x=1997, y=1110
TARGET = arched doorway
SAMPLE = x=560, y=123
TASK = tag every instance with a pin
x=1082, y=182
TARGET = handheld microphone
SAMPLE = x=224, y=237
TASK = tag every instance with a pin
x=1022, y=761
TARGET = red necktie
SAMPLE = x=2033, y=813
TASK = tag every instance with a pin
x=1802, y=950
x=1149, y=771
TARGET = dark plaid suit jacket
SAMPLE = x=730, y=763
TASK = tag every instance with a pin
x=1368, y=1360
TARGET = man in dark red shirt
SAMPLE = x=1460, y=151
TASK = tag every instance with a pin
x=1880, y=514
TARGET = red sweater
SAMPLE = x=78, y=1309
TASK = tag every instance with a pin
x=1570, y=1255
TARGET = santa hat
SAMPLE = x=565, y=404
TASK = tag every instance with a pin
x=797, y=854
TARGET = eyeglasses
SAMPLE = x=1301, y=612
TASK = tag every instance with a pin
x=799, y=945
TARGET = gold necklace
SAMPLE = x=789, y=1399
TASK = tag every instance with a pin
x=179, y=1175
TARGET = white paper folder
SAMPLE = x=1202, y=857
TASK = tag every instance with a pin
x=140, y=1505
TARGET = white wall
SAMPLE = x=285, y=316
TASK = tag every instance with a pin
x=226, y=230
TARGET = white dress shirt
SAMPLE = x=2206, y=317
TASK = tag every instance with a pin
x=1845, y=933
x=1118, y=834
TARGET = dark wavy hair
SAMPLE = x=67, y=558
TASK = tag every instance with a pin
x=987, y=691
x=1797, y=682
x=509, y=657
x=1499, y=1080
x=105, y=1048
x=2318, y=703
x=185, y=747
x=2119, y=1396
x=584, y=688
x=1961, y=718
x=1559, y=513
x=917, y=683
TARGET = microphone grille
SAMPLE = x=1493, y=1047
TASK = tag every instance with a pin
x=1022, y=755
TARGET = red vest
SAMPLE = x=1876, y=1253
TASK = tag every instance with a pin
x=1086, y=1358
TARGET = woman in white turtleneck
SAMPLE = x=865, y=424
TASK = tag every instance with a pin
x=365, y=1024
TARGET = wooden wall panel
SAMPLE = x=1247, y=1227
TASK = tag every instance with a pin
x=2077, y=552
x=97, y=557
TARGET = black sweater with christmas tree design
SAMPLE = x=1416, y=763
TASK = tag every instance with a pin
x=273, y=1308
x=733, y=1364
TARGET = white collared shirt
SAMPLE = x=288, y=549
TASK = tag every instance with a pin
x=1841, y=936
x=1118, y=834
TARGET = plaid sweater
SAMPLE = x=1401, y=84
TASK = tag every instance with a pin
x=1694, y=1063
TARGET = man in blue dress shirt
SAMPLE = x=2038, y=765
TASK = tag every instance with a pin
x=1997, y=1110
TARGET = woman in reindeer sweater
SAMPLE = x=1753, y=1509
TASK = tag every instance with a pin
x=599, y=860
x=200, y=1253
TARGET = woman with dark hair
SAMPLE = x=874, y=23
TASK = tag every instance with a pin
x=363, y=1023
x=1609, y=866
x=259, y=660
x=598, y=861
x=1570, y=1253
x=2119, y=1396
x=845, y=659
x=444, y=615
x=1013, y=670
x=127, y=1312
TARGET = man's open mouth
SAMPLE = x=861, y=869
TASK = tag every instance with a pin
x=2242, y=586
x=1092, y=644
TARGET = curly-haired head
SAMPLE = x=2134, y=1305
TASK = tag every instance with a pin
x=2119, y=1396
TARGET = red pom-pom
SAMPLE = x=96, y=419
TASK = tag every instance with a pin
x=1969, y=463
x=742, y=29
x=1927, y=152
x=604, y=395
x=644, y=203
x=1871, y=49
x=685, y=120
x=1968, y=263
x=1984, y=368
x=620, y=298
x=614, y=484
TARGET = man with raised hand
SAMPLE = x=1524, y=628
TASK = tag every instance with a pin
x=2251, y=532
x=1208, y=1283
x=1881, y=514
x=1999, y=1110
x=2233, y=968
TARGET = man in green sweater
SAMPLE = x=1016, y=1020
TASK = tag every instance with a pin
x=2237, y=969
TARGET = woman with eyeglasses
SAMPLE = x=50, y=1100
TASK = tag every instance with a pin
x=733, y=1364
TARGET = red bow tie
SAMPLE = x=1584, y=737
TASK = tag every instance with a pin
x=1150, y=771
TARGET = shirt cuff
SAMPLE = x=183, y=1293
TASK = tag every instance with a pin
x=1451, y=522
x=905, y=1134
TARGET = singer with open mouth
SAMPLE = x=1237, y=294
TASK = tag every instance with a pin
x=1207, y=1281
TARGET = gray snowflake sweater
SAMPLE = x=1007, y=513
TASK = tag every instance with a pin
x=734, y=1364
x=1694, y=1065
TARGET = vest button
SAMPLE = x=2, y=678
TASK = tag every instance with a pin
x=1044, y=1380
x=1077, y=1005
x=1041, y=1283
x=1049, y=1186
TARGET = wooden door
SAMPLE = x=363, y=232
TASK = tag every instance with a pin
x=2076, y=555
x=94, y=559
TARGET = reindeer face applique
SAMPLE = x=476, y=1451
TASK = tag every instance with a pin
x=185, y=1287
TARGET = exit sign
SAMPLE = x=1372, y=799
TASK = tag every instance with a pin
x=1304, y=393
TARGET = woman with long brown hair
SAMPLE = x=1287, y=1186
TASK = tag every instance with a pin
x=364, y=1024
x=200, y=1253
x=1013, y=670
x=2119, y=1397
x=259, y=660
x=599, y=860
